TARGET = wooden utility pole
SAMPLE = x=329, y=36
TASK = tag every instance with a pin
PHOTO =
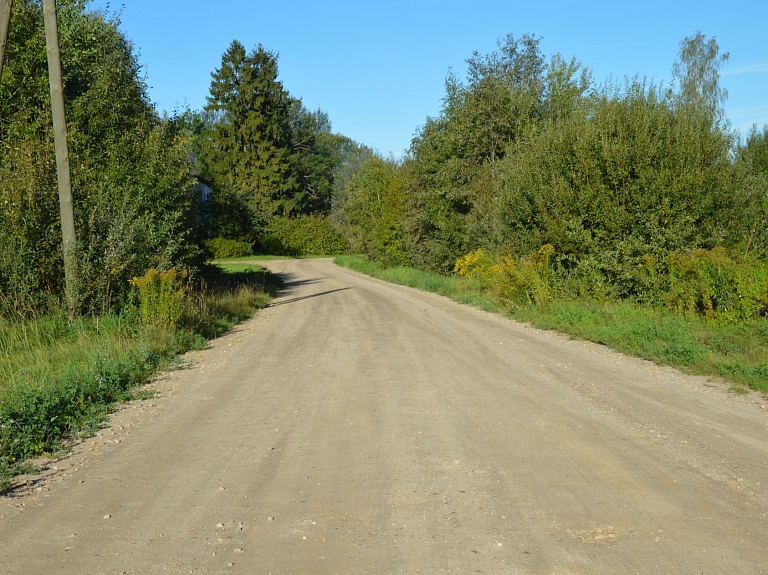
x=5, y=20
x=62, y=150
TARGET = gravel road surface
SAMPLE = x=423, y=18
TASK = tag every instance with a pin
x=359, y=427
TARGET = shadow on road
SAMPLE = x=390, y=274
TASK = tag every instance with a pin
x=295, y=299
x=288, y=282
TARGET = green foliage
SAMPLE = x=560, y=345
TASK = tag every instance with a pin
x=755, y=152
x=302, y=236
x=706, y=283
x=130, y=169
x=247, y=149
x=352, y=157
x=527, y=280
x=147, y=218
x=162, y=297
x=753, y=212
x=454, y=170
x=622, y=177
x=710, y=283
x=375, y=204
x=224, y=248
x=502, y=92
x=59, y=377
x=318, y=153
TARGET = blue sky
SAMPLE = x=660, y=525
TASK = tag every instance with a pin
x=378, y=68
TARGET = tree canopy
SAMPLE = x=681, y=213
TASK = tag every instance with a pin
x=269, y=157
x=130, y=168
x=530, y=160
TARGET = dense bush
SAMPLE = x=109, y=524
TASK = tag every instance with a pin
x=302, y=236
x=131, y=173
x=702, y=282
x=162, y=297
x=527, y=280
x=710, y=283
x=627, y=175
x=226, y=248
x=375, y=201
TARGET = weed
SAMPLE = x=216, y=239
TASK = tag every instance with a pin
x=162, y=296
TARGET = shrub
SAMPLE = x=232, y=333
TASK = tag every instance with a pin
x=303, y=236
x=225, y=248
x=713, y=284
x=521, y=280
x=162, y=297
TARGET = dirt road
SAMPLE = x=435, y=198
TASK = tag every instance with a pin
x=359, y=427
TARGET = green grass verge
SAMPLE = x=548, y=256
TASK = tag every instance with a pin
x=59, y=378
x=736, y=351
x=463, y=290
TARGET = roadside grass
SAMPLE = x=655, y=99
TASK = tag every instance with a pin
x=462, y=290
x=59, y=378
x=228, y=294
x=736, y=351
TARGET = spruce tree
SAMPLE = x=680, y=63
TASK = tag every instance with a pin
x=250, y=152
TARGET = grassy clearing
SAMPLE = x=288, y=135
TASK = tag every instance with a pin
x=736, y=351
x=60, y=377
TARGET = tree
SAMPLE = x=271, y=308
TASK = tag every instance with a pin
x=130, y=170
x=249, y=148
x=697, y=71
x=481, y=119
x=352, y=157
x=754, y=216
x=755, y=152
x=375, y=205
x=317, y=152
